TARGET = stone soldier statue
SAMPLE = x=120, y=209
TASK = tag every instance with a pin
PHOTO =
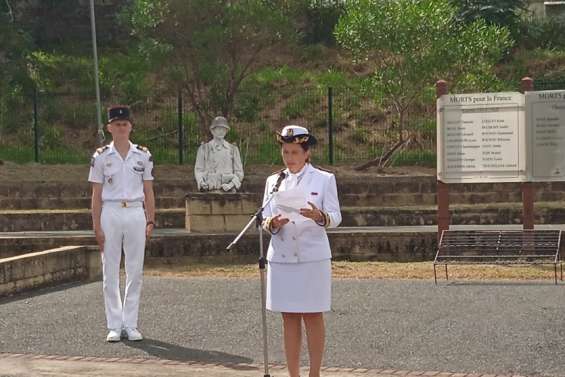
x=218, y=163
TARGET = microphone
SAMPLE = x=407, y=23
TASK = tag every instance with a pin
x=282, y=176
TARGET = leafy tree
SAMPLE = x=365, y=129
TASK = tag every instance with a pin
x=413, y=43
x=64, y=25
x=15, y=81
x=15, y=44
x=501, y=12
x=318, y=19
x=208, y=47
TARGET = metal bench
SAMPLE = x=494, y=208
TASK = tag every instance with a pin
x=498, y=247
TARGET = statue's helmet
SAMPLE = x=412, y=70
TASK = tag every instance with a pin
x=219, y=122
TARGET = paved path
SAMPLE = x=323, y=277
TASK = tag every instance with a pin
x=17, y=365
x=405, y=326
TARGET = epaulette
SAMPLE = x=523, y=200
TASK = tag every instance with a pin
x=322, y=169
x=142, y=148
x=97, y=153
x=102, y=149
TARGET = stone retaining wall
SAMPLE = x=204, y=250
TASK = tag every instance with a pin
x=358, y=245
x=176, y=218
x=49, y=267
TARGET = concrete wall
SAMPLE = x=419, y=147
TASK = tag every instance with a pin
x=49, y=267
x=346, y=245
x=357, y=246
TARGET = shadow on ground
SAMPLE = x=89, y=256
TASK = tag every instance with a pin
x=175, y=352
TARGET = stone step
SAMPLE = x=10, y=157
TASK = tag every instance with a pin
x=63, y=203
x=503, y=213
x=346, y=200
x=392, y=244
x=78, y=219
x=506, y=213
x=366, y=191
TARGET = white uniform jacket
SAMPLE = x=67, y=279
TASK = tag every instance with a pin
x=122, y=180
x=306, y=241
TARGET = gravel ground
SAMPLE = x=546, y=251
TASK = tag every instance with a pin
x=497, y=328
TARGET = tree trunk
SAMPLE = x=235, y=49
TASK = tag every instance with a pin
x=385, y=159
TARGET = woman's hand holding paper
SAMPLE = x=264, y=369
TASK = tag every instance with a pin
x=278, y=222
x=312, y=213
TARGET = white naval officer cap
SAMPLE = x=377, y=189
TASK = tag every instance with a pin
x=296, y=135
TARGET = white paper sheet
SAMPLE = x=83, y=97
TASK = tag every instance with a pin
x=288, y=204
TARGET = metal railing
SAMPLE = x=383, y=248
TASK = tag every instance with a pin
x=350, y=127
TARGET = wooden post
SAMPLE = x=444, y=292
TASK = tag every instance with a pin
x=442, y=192
x=528, y=190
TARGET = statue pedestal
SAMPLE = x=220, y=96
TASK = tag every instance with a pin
x=216, y=212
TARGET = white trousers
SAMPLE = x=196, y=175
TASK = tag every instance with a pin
x=123, y=228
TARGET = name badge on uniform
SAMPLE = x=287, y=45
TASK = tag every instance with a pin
x=314, y=193
x=139, y=169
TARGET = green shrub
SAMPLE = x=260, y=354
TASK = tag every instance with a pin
x=321, y=18
x=359, y=135
x=63, y=155
x=333, y=79
x=546, y=33
x=552, y=81
x=279, y=76
x=124, y=77
x=51, y=137
x=16, y=153
x=410, y=158
x=247, y=107
x=301, y=105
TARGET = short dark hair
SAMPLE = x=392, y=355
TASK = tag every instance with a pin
x=305, y=146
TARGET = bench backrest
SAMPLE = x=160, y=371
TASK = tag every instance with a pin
x=499, y=246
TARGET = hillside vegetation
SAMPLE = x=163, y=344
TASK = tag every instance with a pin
x=262, y=65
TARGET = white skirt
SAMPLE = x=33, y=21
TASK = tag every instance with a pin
x=299, y=287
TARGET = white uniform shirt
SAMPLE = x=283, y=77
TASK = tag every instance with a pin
x=121, y=179
x=307, y=241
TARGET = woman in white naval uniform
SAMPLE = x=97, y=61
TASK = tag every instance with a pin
x=299, y=256
x=123, y=213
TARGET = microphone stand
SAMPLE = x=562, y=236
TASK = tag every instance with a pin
x=257, y=219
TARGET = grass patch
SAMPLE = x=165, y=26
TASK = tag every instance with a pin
x=16, y=154
x=185, y=267
x=59, y=155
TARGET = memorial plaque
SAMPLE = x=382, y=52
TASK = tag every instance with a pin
x=481, y=138
x=546, y=134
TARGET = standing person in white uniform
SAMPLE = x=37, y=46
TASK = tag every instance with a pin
x=123, y=215
x=299, y=255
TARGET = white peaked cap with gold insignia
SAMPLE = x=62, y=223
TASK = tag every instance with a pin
x=296, y=135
